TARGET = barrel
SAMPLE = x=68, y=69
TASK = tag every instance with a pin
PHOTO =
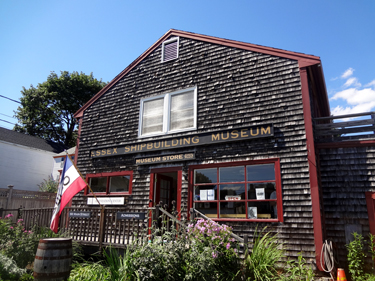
x=53, y=259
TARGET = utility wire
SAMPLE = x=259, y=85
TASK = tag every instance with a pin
x=7, y=122
x=9, y=99
x=7, y=115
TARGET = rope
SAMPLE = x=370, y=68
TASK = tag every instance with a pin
x=329, y=260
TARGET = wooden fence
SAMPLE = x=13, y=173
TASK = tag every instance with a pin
x=12, y=200
x=325, y=129
x=94, y=226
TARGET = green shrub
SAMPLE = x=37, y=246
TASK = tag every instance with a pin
x=89, y=271
x=20, y=244
x=9, y=269
x=261, y=263
x=356, y=257
x=48, y=185
x=298, y=270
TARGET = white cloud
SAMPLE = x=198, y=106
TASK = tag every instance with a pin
x=347, y=73
x=372, y=83
x=352, y=81
x=365, y=107
x=354, y=99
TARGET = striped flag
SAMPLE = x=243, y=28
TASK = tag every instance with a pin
x=70, y=184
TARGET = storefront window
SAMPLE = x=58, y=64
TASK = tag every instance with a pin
x=248, y=191
x=110, y=183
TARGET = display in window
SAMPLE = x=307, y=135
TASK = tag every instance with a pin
x=260, y=193
x=233, y=209
x=203, y=195
x=253, y=213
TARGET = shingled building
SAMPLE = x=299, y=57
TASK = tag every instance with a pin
x=218, y=125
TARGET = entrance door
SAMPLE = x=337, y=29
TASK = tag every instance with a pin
x=166, y=190
x=165, y=186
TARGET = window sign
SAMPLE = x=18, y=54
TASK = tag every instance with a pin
x=260, y=193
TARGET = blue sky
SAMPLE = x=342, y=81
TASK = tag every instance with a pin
x=103, y=37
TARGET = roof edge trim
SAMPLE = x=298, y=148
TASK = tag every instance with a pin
x=303, y=59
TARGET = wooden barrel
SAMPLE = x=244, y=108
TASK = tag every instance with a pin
x=53, y=259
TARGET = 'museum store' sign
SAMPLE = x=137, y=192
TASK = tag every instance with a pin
x=165, y=158
x=187, y=141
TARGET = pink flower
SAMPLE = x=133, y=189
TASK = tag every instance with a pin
x=9, y=216
x=20, y=220
x=228, y=246
x=11, y=227
x=214, y=255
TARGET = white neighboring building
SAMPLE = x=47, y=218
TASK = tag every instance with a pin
x=58, y=162
x=25, y=161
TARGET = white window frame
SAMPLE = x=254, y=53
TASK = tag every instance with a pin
x=167, y=42
x=166, y=113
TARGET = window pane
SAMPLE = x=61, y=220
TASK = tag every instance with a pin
x=261, y=172
x=205, y=175
x=152, y=117
x=262, y=210
x=119, y=184
x=261, y=191
x=182, y=111
x=233, y=210
x=205, y=193
x=98, y=184
x=232, y=174
x=232, y=191
x=207, y=208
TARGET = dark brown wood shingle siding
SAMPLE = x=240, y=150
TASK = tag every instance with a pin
x=235, y=88
x=346, y=174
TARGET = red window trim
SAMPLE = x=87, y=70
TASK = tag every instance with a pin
x=108, y=175
x=279, y=203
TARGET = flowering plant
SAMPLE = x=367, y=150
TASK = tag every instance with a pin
x=16, y=242
x=213, y=234
x=212, y=243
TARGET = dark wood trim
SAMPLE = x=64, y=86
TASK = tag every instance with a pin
x=303, y=59
x=166, y=170
x=370, y=197
x=363, y=143
x=311, y=157
x=78, y=137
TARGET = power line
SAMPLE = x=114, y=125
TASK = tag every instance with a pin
x=7, y=122
x=9, y=99
x=7, y=115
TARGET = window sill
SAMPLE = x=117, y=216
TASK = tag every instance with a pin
x=167, y=133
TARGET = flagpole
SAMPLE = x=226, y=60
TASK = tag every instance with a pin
x=101, y=206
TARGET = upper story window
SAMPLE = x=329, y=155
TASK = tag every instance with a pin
x=242, y=190
x=168, y=113
x=169, y=50
x=110, y=183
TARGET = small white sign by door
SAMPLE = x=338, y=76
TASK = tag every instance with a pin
x=106, y=201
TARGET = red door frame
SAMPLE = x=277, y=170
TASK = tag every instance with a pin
x=153, y=172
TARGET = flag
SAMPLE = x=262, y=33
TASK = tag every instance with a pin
x=70, y=184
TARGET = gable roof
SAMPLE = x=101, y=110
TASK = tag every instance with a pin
x=303, y=59
x=29, y=141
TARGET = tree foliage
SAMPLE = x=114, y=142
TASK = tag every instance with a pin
x=47, y=110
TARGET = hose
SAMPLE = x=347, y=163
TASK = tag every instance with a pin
x=329, y=260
